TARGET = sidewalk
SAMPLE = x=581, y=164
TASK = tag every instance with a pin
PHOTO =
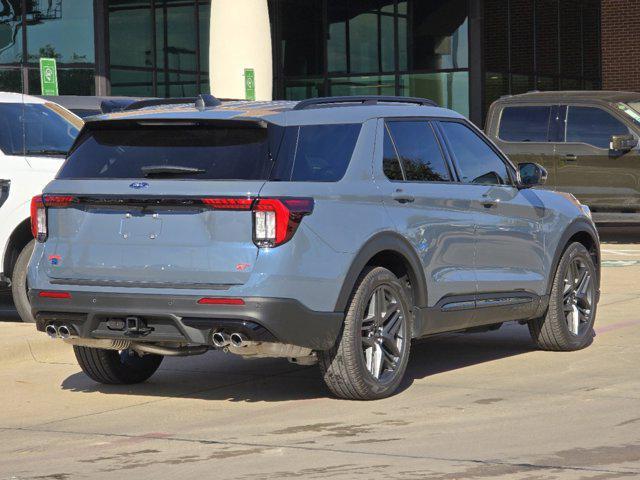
x=21, y=342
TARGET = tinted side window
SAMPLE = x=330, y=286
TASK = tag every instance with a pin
x=593, y=126
x=419, y=151
x=316, y=153
x=390, y=160
x=525, y=124
x=477, y=162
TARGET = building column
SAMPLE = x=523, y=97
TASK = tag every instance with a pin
x=476, y=64
x=240, y=38
x=101, y=41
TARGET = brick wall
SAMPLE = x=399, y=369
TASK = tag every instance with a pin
x=621, y=45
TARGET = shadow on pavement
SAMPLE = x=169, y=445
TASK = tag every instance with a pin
x=7, y=310
x=217, y=376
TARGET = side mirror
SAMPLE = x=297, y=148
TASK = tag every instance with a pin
x=623, y=143
x=531, y=174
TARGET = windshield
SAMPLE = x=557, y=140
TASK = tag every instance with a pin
x=36, y=129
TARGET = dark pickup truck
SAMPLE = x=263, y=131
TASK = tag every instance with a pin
x=587, y=141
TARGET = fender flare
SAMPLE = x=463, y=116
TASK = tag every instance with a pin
x=579, y=225
x=380, y=242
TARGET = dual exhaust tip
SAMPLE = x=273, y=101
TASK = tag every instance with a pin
x=61, y=331
x=223, y=339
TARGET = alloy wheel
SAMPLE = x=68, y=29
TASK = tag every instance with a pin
x=578, y=297
x=383, y=333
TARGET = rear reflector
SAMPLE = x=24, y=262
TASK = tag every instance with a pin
x=54, y=295
x=220, y=301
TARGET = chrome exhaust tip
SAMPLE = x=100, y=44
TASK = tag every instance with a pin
x=239, y=340
x=220, y=339
x=64, y=331
x=51, y=331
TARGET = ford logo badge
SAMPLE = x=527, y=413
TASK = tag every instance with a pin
x=139, y=185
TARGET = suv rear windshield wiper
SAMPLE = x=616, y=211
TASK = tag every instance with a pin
x=161, y=170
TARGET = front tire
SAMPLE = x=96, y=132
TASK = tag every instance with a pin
x=370, y=357
x=568, y=323
x=19, y=284
x=116, y=368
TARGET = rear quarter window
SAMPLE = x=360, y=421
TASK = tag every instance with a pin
x=525, y=124
x=316, y=153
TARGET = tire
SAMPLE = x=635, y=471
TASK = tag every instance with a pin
x=558, y=330
x=349, y=367
x=116, y=368
x=19, y=284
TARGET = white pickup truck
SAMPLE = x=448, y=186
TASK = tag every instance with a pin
x=35, y=135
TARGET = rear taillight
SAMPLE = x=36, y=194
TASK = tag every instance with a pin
x=39, y=206
x=38, y=219
x=275, y=220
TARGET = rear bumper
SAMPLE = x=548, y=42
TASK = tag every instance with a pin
x=181, y=319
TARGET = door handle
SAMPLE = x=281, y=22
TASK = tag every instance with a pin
x=488, y=202
x=402, y=197
x=571, y=157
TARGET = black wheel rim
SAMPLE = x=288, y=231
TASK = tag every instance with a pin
x=383, y=333
x=578, y=297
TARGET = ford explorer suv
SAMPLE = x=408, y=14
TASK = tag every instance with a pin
x=35, y=136
x=331, y=230
x=587, y=141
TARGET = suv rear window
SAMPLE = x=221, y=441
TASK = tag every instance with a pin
x=525, y=124
x=230, y=150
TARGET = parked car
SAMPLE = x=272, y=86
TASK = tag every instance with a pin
x=587, y=141
x=332, y=230
x=35, y=136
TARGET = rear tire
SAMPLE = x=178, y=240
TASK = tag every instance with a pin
x=116, y=368
x=370, y=357
x=19, y=284
x=568, y=323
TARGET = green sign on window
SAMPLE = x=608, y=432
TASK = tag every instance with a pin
x=249, y=84
x=48, y=76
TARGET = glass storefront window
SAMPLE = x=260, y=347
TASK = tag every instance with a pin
x=130, y=34
x=11, y=80
x=437, y=35
x=301, y=37
x=62, y=30
x=447, y=89
x=131, y=82
x=10, y=37
x=373, y=85
x=179, y=57
x=71, y=81
x=301, y=89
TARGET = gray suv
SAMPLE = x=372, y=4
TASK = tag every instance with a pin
x=331, y=230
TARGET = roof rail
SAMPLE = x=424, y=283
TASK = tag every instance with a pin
x=363, y=99
x=202, y=102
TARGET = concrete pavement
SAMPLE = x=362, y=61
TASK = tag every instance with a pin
x=473, y=406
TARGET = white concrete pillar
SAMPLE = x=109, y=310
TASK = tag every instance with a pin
x=240, y=38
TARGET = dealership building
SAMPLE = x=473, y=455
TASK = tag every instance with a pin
x=462, y=53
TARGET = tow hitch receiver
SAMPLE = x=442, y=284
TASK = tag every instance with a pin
x=132, y=326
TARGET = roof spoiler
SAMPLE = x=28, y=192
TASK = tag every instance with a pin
x=202, y=102
x=363, y=100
